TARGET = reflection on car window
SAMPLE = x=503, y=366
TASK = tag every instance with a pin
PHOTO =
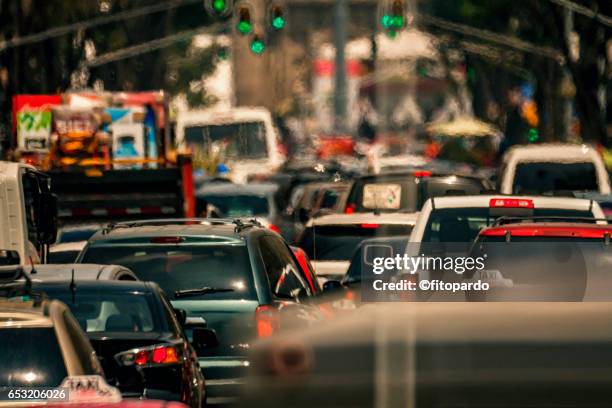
x=30, y=357
x=282, y=271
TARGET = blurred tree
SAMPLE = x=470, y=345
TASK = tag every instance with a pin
x=542, y=23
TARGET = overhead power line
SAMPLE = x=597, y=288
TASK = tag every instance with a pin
x=97, y=21
x=149, y=46
x=493, y=37
x=585, y=11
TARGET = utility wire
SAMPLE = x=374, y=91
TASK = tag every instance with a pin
x=493, y=37
x=81, y=25
x=149, y=46
x=585, y=11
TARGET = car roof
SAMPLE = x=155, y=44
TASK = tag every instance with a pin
x=68, y=246
x=423, y=174
x=395, y=218
x=97, y=286
x=64, y=271
x=222, y=231
x=549, y=229
x=234, y=189
x=552, y=152
x=17, y=313
x=483, y=201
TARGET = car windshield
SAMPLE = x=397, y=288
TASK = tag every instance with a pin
x=101, y=311
x=242, y=205
x=62, y=257
x=339, y=242
x=452, y=185
x=76, y=235
x=31, y=357
x=183, y=267
x=463, y=224
x=245, y=140
x=548, y=178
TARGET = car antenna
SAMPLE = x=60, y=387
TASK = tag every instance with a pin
x=73, y=287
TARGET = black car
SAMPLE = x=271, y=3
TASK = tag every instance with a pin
x=137, y=336
x=408, y=191
x=239, y=277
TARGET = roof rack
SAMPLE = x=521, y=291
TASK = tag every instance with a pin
x=516, y=220
x=240, y=223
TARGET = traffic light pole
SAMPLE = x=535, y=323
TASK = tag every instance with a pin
x=340, y=98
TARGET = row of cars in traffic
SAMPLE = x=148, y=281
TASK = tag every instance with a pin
x=195, y=310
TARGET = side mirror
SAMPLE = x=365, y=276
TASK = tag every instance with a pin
x=204, y=339
x=9, y=257
x=47, y=220
x=332, y=286
x=181, y=316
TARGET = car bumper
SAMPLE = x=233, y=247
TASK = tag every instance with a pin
x=224, y=378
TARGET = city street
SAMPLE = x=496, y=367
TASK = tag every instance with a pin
x=305, y=203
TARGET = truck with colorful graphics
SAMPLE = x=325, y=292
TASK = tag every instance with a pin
x=108, y=154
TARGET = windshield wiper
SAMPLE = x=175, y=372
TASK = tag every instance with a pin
x=200, y=291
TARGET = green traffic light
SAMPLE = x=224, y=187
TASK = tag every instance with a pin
x=219, y=6
x=533, y=135
x=386, y=21
x=397, y=21
x=278, y=23
x=257, y=46
x=392, y=34
x=244, y=27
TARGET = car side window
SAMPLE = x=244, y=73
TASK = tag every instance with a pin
x=282, y=271
x=82, y=347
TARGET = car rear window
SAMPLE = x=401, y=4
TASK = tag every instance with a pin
x=109, y=312
x=182, y=267
x=31, y=357
x=239, y=205
x=464, y=224
x=384, y=194
x=339, y=242
x=62, y=257
x=549, y=178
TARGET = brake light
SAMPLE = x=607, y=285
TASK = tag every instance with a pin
x=510, y=203
x=164, y=355
x=267, y=320
x=160, y=354
x=167, y=240
x=422, y=173
x=274, y=228
x=350, y=209
x=370, y=225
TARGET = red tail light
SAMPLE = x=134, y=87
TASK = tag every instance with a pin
x=149, y=356
x=274, y=228
x=510, y=203
x=370, y=225
x=422, y=173
x=350, y=209
x=267, y=320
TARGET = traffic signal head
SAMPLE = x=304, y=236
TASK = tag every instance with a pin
x=393, y=17
x=257, y=45
x=277, y=18
x=244, y=24
x=219, y=8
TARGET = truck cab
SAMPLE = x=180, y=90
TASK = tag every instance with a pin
x=243, y=139
x=28, y=212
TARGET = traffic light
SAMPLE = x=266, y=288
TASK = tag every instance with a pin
x=393, y=17
x=277, y=18
x=244, y=25
x=257, y=45
x=218, y=8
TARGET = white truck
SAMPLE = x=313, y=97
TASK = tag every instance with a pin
x=553, y=169
x=28, y=214
x=245, y=138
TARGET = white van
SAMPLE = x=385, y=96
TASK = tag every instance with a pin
x=246, y=136
x=553, y=169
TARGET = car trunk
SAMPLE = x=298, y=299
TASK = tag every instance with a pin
x=127, y=379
